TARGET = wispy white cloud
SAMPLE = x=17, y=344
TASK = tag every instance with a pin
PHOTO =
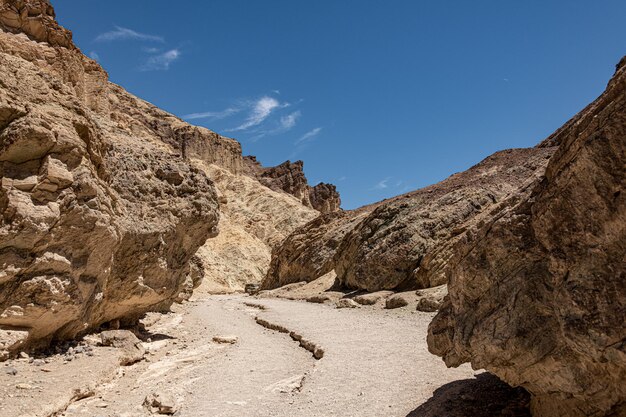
x=94, y=55
x=213, y=115
x=308, y=135
x=261, y=110
x=289, y=121
x=161, y=61
x=124, y=34
x=382, y=184
x=151, y=50
x=286, y=123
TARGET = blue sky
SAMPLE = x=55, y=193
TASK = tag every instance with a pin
x=377, y=97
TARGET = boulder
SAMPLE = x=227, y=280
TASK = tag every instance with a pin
x=100, y=214
x=372, y=298
x=132, y=348
x=539, y=298
x=347, y=303
x=431, y=299
x=399, y=300
x=160, y=403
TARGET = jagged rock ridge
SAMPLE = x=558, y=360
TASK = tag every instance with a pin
x=539, y=297
x=289, y=177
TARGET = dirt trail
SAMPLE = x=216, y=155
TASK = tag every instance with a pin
x=374, y=363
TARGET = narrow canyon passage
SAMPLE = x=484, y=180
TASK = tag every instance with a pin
x=375, y=363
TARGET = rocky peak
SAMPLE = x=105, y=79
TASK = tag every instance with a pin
x=289, y=177
x=36, y=19
x=325, y=198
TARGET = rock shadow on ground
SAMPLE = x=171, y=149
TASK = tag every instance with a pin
x=483, y=396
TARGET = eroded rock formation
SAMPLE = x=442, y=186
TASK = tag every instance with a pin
x=254, y=220
x=405, y=242
x=539, y=297
x=289, y=177
x=106, y=200
x=99, y=218
x=36, y=19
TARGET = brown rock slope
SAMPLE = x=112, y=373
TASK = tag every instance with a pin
x=98, y=222
x=405, y=242
x=539, y=298
x=289, y=177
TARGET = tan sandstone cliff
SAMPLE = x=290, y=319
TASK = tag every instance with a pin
x=99, y=221
x=539, y=298
x=107, y=202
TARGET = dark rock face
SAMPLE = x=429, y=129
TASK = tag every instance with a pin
x=325, y=198
x=539, y=297
x=405, y=242
x=289, y=177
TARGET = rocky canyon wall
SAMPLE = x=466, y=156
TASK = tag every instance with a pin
x=539, y=297
x=109, y=203
x=98, y=223
x=405, y=242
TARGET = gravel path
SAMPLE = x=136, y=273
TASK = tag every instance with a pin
x=374, y=363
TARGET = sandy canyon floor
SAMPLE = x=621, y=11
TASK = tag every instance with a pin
x=373, y=362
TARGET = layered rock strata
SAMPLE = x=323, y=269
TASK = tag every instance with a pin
x=405, y=242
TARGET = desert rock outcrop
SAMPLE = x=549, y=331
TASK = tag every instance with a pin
x=405, y=242
x=254, y=220
x=289, y=177
x=99, y=217
x=539, y=297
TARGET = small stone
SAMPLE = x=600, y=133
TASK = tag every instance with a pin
x=38, y=362
x=160, y=403
x=226, y=339
x=319, y=299
x=396, y=301
x=347, y=303
x=24, y=355
x=428, y=305
x=24, y=386
x=11, y=371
